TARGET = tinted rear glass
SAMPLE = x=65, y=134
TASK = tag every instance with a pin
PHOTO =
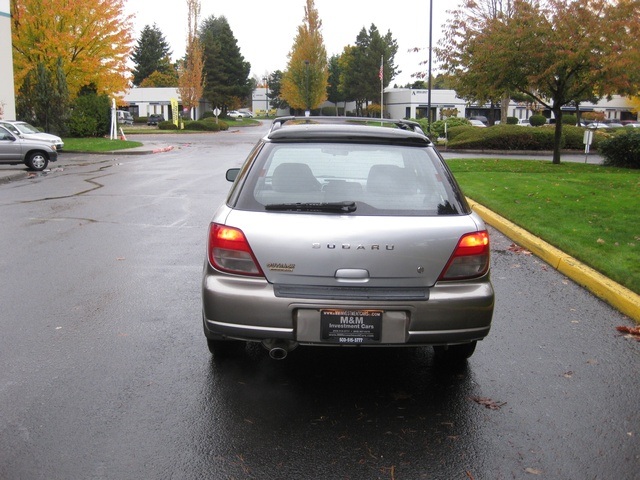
x=380, y=179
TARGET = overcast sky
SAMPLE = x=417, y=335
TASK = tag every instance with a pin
x=265, y=31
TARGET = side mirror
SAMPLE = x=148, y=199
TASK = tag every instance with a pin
x=232, y=174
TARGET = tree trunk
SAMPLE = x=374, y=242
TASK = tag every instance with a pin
x=557, y=137
x=504, y=108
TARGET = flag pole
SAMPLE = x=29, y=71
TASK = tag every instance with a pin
x=381, y=88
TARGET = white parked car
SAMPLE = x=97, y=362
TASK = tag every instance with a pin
x=477, y=123
x=524, y=122
x=237, y=114
x=25, y=130
x=596, y=125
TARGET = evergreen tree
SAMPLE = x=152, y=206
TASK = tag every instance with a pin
x=43, y=98
x=361, y=64
x=151, y=54
x=334, y=93
x=226, y=83
x=275, y=87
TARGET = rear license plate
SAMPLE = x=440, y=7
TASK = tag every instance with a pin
x=351, y=326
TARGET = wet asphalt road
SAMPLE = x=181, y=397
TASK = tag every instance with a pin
x=106, y=375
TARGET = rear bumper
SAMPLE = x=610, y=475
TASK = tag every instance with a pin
x=247, y=309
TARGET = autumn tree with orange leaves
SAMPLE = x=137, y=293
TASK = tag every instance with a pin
x=190, y=79
x=87, y=42
x=556, y=52
x=304, y=84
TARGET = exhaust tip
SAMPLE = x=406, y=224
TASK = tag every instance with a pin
x=278, y=353
x=279, y=349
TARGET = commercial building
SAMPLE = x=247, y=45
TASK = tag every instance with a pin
x=398, y=103
x=414, y=103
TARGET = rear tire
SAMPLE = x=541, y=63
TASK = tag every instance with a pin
x=455, y=353
x=37, y=161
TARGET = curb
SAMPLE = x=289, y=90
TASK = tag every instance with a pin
x=619, y=297
x=127, y=151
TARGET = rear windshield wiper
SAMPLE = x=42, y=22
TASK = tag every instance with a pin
x=329, y=207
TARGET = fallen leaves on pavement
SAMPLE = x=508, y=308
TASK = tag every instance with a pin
x=518, y=249
x=488, y=403
x=632, y=332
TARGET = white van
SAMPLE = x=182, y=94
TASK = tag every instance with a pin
x=124, y=117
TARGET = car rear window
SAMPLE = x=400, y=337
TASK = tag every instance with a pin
x=380, y=179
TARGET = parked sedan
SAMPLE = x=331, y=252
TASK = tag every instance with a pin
x=336, y=233
x=154, y=119
x=27, y=130
x=236, y=114
x=33, y=152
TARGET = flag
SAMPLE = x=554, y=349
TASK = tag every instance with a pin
x=381, y=72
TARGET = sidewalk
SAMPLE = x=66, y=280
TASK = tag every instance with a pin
x=604, y=288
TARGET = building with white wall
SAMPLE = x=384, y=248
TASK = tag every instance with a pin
x=7, y=89
x=413, y=103
x=398, y=103
x=142, y=102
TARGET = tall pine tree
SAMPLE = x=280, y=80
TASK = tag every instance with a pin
x=227, y=84
x=150, y=54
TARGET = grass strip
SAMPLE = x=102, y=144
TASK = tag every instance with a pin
x=588, y=211
x=97, y=145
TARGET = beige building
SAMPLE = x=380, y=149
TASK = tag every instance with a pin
x=7, y=92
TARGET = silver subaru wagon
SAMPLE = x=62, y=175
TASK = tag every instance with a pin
x=339, y=232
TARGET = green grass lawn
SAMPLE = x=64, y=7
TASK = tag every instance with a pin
x=590, y=212
x=97, y=145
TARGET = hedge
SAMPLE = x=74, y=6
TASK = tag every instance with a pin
x=515, y=137
x=206, y=125
x=622, y=150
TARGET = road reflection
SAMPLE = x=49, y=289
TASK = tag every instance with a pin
x=337, y=413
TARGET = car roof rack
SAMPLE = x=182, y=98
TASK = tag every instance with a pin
x=408, y=125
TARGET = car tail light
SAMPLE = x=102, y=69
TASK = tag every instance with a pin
x=230, y=252
x=470, y=258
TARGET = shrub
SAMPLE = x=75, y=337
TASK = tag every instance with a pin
x=460, y=130
x=90, y=116
x=512, y=120
x=501, y=137
x=569, y=119
x=329, y=111
x=622, y=150
x=82, y=125
x=201, y=125
x=438, y=126
x=537, y=120
x=510, y=137
x=167, y=125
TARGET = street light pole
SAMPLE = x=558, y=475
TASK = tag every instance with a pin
x=266, y=94
x=429, y=69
